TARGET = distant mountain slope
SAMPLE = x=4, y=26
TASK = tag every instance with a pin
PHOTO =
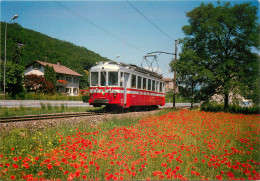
x=37, y=46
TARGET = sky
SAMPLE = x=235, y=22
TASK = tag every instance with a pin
x=129, y=30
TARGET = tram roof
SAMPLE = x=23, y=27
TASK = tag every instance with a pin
x=115, y=65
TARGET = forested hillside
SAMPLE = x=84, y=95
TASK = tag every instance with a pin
x=37, y=46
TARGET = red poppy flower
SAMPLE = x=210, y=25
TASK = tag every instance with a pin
x=15, y=166
x=49, y=166
x=12, y=177
x=230, y=174
x=219, y=177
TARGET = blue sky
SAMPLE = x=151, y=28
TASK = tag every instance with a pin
x=109, y=28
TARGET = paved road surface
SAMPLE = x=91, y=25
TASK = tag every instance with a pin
x=37, y=103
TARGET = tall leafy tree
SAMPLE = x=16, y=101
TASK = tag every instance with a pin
x=50, y=75
x=190, y=75
x=14, y=78
x=222, y=38
x=16, y=56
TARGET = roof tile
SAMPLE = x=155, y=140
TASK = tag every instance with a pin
x=60, y=68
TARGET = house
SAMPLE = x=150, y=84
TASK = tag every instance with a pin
x=169, y=84
x=67, y=79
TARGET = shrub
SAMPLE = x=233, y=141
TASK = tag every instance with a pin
x=214, y=107
x=85, y=98
x=38, y=84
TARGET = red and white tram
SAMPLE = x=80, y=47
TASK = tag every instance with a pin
x=122, y=85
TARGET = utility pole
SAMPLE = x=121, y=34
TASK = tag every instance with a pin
x=15, y=17
x=174, y=80
x=175, y=72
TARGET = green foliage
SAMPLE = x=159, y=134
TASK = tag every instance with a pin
x=218, y=50
x=14, y=78
x=213, y=107
x=37, y=46
x=50, y=75
x=16, y=55
x=40, y=96
x=178, y=98
x=85, y=98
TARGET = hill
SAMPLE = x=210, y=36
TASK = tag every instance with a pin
x=37, y=46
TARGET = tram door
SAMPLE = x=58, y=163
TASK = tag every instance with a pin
x=126, y=83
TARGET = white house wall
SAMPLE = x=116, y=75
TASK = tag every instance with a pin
x=29, y=70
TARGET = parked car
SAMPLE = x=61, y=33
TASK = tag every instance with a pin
x=246, y=103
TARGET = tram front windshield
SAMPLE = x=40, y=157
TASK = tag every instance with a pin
x=94, y=79
x=112, y=78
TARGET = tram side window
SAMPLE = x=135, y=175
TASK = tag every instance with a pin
x=139, y=85
x=121, y=78
x=157, y=86
x=153, y=85
x=103, y=78
x=94, y=79
x=149, y=84
x=160, y=87
x=112, y=78
x=144, y=83
x=133, y=81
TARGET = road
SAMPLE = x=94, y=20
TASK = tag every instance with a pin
x=38, y=103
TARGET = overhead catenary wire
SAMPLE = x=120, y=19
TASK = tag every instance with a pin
x=157, y=27
x=108, y=32
x=99, y=27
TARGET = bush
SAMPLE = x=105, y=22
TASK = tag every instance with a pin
x=85, y=98
x=214, y=107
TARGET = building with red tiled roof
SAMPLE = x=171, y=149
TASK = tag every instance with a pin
x=67, y=79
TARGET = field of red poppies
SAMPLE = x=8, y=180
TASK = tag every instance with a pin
x=182, y=145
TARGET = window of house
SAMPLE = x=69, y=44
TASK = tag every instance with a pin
x=133, y=81
x=75, y=90
x=144, y=83
x=112, y=78
x=149, y=84
x=36, y=66
x=69, y=79
x=139, y=82
x=60, y=77
x=76, y=80
x=68, y=90
x=94, y=79
x=103, y=78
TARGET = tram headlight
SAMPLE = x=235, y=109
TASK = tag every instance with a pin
x=114, y=93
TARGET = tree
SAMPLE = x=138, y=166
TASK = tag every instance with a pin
x=50, y=75
x=190, y=74
x=16, y=56
x=222, y=38
x=38, y=84
x=14, y=78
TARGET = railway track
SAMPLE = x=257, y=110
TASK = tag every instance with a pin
x=46, y=116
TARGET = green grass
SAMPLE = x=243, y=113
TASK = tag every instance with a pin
x=44, y=109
